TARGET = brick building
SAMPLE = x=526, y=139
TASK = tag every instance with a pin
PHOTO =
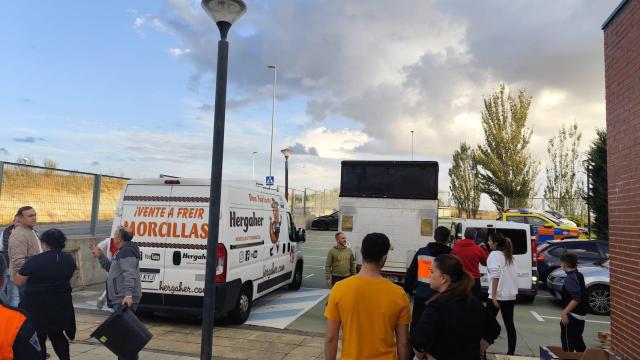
x=622, y=79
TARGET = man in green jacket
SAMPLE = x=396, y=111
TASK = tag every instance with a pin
x=340, y=261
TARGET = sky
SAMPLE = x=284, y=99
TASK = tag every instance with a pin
x=127, y=87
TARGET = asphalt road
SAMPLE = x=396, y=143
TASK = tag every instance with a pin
x=536, y=323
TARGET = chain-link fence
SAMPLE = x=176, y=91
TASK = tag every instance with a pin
x=312, y=202
x=59, y=196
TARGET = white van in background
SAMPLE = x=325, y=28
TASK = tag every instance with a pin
x=524, y=252
x=258, y=249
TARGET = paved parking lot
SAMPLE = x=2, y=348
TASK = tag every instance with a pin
x=537, y=323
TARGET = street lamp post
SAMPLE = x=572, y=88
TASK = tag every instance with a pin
x=224, y=13
x=273, y=113
x=286, y=153
x=411, y=145
x=253, y=165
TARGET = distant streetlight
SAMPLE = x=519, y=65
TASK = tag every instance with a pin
x=253, y=164
x=286, y=152
x=223, y=13
x=273, y=113
x=411, y=145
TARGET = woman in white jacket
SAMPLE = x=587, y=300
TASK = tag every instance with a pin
x=503, y=284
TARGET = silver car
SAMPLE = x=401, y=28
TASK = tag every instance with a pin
x=596, y=280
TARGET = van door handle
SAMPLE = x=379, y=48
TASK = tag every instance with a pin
x=177, y=258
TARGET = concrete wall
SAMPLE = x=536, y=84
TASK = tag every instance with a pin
x=90, y=271
x=622, y=78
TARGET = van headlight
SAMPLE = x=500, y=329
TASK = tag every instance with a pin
x=534, y=279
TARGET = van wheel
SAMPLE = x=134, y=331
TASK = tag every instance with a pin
x=241, y=312
x=297, y=277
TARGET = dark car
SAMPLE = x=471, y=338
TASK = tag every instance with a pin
x=589, y=252
x=327, y=222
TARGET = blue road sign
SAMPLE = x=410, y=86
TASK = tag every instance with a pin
x=270, y=180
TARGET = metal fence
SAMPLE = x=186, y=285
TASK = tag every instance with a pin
x=312, y=202
x=59, y=196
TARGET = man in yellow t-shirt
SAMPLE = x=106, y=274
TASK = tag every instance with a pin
x=373, y=312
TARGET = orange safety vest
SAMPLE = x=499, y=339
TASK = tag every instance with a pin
x=10, y=325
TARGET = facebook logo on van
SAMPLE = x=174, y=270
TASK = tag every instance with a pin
x=270, y=180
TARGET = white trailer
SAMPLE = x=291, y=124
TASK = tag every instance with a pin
x=397, y=198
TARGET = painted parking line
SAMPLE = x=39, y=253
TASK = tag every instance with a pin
x=308, y=276
x=590, y=321
x=537, y=316
x=281, y=308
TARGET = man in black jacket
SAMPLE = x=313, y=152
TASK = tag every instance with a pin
x=419, y=271
x=575, y=305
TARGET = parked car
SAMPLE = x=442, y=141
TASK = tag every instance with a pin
x=327, y=222
x=589, y=252
x=596, y=280
x=563, y=219
x=544, y=227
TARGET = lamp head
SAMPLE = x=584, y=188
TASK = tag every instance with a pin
x=224, y=13
x=286, y=152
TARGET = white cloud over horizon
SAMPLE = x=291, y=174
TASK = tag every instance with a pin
x=360, y=77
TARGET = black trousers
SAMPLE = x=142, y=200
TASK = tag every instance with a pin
x=571, y=335
x=59, y=342
x=476, y=290
x=506, y=309
x=418, y=308
x=335, y=279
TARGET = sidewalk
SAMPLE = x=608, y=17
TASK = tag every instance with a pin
x=180, y=339
x=175, y=339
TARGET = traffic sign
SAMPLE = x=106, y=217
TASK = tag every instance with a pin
x=270, y=180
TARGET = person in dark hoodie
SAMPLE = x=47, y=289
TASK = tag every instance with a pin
x=471, y=255
x=418, y=274
x=454, y=324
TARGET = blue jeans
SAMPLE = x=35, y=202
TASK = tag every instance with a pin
x=134, y=307
x=10, y=292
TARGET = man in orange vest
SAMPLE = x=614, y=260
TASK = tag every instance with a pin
x=18, y=338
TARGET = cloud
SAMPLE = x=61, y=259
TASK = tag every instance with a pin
x=29, y=139
x=177, y=52
x=95, y=163
x=386, y=73
x=299, y=149
x=4, y=151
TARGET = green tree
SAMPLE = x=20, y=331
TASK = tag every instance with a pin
x=465, y=188
x=506, y=169
x=563, y=190
x=597, y=195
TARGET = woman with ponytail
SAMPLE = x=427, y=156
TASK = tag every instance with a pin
x=503, y=284
x=454, y=324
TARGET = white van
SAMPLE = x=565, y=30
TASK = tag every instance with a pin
x=258, y=249
x=524, y=252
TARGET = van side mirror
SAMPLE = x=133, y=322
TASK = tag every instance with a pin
x=301, y=235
